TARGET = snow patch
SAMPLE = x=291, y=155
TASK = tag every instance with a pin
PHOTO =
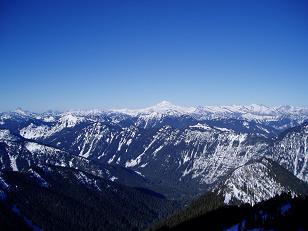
x=201, y=126
x=113, y=178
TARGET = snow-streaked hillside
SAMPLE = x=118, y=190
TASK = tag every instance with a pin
x=259, y=180
x=291, y=151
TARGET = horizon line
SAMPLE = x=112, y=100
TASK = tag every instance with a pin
x=151, y=106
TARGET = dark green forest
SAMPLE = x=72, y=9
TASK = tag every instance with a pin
x=70, y=204
x=282, y=212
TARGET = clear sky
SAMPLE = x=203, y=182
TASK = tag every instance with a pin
x=71, y=54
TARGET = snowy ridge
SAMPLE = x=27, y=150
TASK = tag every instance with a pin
x=292, y=152
x=250, y=112
x=163, y=107
x=67, y=120
x=251, y=184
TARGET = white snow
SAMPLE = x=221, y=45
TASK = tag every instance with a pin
x=111, y=159
x=49, y=119
x=143, y=165
x=139, y=173
x=291, y=153
x=69, y=120
x=13, y=162
x=223, y=129
x=32, y=131
x=158, y=109
x=228, y=197
x=201, y=126
x=20, y=112
x=3, y=184
x=113, y=178
x=6, y=135
x=33, y=147
x=157, y=150
x=251, y=184
x=134, y=162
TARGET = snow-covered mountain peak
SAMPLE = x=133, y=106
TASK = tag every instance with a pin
x=167, y=106
x=285, y=108
x=259, y=108
x=20, y=111
x=163, y=107
x=69, y=120
x=288, y=109
x=164, y=104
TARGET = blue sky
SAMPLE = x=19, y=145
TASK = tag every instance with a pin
x=105, y=54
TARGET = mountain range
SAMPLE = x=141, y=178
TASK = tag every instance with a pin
x=166, y=154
